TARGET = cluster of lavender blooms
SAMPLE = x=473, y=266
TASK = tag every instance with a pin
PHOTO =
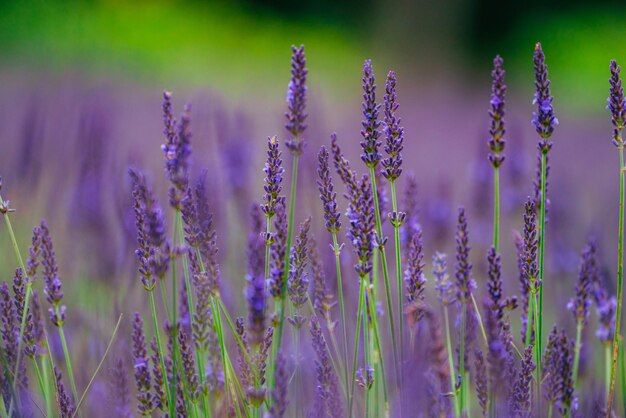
x=194, y=353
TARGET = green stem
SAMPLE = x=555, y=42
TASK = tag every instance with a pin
x=608, y=353
x=383, y=258
x=366, y=347
x=157, y=335
x=542, y=249
x=620, y=278
x=398, y=274
x=292, y=208
x=337, y=251
x=496, y=208
x=357, y=338
x=42, y=387
x=579, y=332
x=46, y=384
x=537, y=355
x=66, y=354
x=462, y=359
x=378, y=346
x=457, y=412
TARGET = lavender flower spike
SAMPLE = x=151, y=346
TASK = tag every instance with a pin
x=588, y=269
x=464, y=282
x=66, y=405
x=51, y=277
x=394, y=133
x=443, y=285
x=273, y=177
x=544, y=119
x=496, y=113
x=327, y=193
x=279, y=395
x=617, y=104
x=296, y=101
x=371, y=124
x=142, y=369
x=298, y=282
x=520, y=398
x=414, y=276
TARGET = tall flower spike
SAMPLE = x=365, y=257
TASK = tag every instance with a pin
x=255, y=291
x=273, y=177
x=415, y=278
x=496, y=113
x=520, y=398
x=118, y=390
x=443, y=285
x=278, y=251
x=617, y=104
x=327, y=404
x=464, y=281
x=531, y=271
x=177, y=150
x=296, y=101
x=394, y=133
x=142, y=370
x=481, y=380
x=411, y=223
x=371, y=124
x=51, y=277
x=361, y=231
x=298, y=282
x=587, y=271
x=321, y=298
x=544, y=119
x=327, y=192
x=66, y=405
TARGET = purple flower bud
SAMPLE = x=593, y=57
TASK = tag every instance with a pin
x=273, y=177
x=543, y=119
x=587, y=273
x=414, y=276
x=617, y=103
x=296, y=101
x=464, y=281
x=142, y=368
x=443, y=285
x=520, y=398
x=280, y=400
x=394, y=133
x=298, y=282
x=327, y=193
x=66, y=405
x=371, y=124
x=362, y=222
x=496, y=113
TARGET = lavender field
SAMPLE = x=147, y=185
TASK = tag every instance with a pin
x=386, y=248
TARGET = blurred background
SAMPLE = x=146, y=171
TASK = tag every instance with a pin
x=82, y=87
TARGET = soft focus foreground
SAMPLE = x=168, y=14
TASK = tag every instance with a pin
x=243, y=283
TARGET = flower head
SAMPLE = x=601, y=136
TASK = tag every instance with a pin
x=617, y=103
x=371, y=124
x=296, y=100
x=273, y=177
x=544, y=119
x=464, y=281
x=394, y=133
x=587, y=276
x=496, y=113
x=327, y=193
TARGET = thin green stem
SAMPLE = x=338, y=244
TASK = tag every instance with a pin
x=157, y=336
x=537, y=348
x=40, y=382
x=457, y=411
x=379, y=352
x=292, y=208
x=400, y=283
x=462, y=358
x=579, y=333
x=496, y=209
x=608, y=353
x=481, y=325
x=542, y=250
x=46, y=384
x=366, y=347
x=66, y=354
x=620, y=279
x=383, y=258
x=357, y=338
x=337, y=251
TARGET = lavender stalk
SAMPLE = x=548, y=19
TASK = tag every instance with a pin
x=544, y=121
x=617, y=105
x=496, y=141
